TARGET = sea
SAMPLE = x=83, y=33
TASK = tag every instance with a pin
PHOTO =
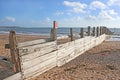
x=46, y=30
x=39, y=31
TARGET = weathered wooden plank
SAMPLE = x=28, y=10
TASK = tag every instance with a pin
x=71, y=43
x=79, y=48
x=87, y=48
x=39, y=71
x=65, y=50
x=16, y=76
x=75, y=56
x=93, y=40
x=62, y=54
x=87, y=38
x=77, y=51
x=38, y=67
x=37, y=54
x=62, y=60
x=33, y=42
x=79, y=40
x=87, y=41
x=66, y=59
x=37, y=48
x=70, y=58
x=87, y=44
x=79, y=45
x=92, y=44
x=38, y=60
x=62, y=46
x=66, y=45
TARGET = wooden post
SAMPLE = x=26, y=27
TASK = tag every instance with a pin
x=103, y=30
x=106, y=30
x=93, y=31
x=71, y=34
x=89, y=31
x=14, y=51
x=55, y=24
x=100, y=31
x=81, y=33
x=97, y=31
x=53, y=35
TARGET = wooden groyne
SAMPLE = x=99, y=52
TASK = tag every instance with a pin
x=32, y=58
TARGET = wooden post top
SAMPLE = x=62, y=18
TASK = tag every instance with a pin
x=81, y=32
x=89, y=31
x=71, y=34
x=55, y=24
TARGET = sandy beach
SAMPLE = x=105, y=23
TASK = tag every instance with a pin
x=100, y=63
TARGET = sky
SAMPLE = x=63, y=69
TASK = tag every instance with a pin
x=68, y=13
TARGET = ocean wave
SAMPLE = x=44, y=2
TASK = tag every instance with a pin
x=4, y=32
x=25, y=33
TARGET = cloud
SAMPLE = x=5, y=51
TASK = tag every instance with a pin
x=8, y=19
x=104, y=15
x=97, y=5
x=112, y=12
x=90, y=17
x=114, y=2
x=77, y=7
x=48, y=19
x=58, y=13
x=46, y=22
x=71, y=22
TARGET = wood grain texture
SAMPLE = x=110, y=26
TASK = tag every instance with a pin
x=40, y=67
x=40, y=71
x=33, y=42
x=37, y=48
x=38, y=60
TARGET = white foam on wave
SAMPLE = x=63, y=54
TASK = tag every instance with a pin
x=114, y=38
x=4, y=32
